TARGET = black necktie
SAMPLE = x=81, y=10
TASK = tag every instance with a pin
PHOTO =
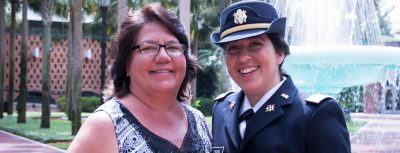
x=246, y=116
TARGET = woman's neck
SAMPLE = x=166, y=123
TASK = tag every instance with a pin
x=158, y=102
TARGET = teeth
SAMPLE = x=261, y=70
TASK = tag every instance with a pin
x=162, y=71
x=248, y=70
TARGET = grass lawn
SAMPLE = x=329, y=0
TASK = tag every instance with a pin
x=354, y=126
x=58, y=135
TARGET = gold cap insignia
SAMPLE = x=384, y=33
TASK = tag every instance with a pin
x=270, y=108
x=232, y=105
x=285, y=96
x=240, y=16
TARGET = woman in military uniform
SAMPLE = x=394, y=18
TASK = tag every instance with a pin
x=268, y=114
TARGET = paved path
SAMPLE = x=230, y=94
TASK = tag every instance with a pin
x=11, y=143
x=380, y=135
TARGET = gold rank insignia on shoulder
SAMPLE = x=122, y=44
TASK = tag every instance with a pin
x=270, y=108
x=240, y=16
x=232, y=105
x=317, y=98
x=284, y=95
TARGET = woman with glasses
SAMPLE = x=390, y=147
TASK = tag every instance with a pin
x=150, y=73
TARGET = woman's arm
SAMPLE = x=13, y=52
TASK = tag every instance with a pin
x=97, y=134
x=327, y=131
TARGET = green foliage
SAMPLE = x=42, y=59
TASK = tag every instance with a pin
x=207, y=82
x=61, y=103
x=354, y=126
x=351, y=99
x=205, y=105
x=88, y=104
x=60, y=130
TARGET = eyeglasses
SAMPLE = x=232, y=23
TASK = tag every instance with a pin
x=151, y=49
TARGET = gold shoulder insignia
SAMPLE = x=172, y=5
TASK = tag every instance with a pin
x=223, y=95
x=317, y=98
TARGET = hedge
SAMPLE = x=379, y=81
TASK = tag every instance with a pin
x=88, y=104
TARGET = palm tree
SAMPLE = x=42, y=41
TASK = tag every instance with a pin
x=76, y=70
x=204, y=20
x=68, y=89
x=2, y=50
x=23, y=89
x=46, y=13
x=122, y=12
x=14, y=4
x=184, y=15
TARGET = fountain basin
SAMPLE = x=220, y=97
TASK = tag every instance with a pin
x=328, y=69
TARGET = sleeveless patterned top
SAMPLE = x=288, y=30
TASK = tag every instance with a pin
x=133, y=137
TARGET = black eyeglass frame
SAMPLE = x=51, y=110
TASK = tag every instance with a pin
x=159, y=48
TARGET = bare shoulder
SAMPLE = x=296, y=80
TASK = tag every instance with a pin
x=97, y=130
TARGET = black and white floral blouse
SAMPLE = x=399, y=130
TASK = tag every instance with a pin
x=134, y=137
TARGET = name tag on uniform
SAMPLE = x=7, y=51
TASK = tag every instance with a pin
x=217, y=149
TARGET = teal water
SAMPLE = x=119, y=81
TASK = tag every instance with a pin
x=329, y=69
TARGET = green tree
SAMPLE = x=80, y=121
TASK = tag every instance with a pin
x=208, y=81
x=23, y=87
x=76, y=70
x=14, y=4
x=68, y=90
x=46, y=13
x=2, y=50
x=205, y=20
x=122, y=12
x=184, y=15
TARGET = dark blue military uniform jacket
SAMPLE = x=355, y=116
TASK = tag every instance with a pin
x=293, y=126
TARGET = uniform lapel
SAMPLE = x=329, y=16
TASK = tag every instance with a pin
x=270, y=111
x=231, y=118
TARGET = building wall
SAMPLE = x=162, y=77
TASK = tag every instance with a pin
x=372, y=98
x=58, y=69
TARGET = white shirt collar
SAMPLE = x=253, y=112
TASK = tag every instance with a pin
x=246, y=103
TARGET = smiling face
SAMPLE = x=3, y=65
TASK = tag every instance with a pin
x=161, y=72
x=253, y=64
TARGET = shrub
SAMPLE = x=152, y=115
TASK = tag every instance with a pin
x=205, y=105
x=88, y=104
x=61, y=103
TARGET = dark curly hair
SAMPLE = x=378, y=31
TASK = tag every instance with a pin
x=127, y=39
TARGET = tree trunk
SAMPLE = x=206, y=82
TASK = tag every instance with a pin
x=11, y=68
x=2, y=50
x=194, y=47
x=122, y=13
x=69, y=67
x=23, y=87
x=76, y=67
x=184, y=15
x=46, y=13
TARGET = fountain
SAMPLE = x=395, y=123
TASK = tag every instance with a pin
x=336, y=48
x=335, y=44
x=328, y=69
x=330, y=22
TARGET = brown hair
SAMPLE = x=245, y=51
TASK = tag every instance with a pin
x=280, y=46
x=127, y=40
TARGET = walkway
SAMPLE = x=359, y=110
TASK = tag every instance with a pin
x=380, y=135
x=10, y=143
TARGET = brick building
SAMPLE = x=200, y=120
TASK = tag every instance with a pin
x=58, y=70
